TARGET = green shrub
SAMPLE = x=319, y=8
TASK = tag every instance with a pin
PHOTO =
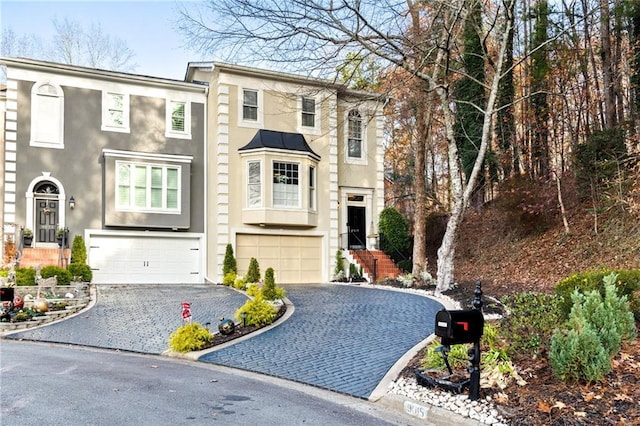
x=577, y=353
x=253, y=290
x=239, y=284
x=259, y=312
x=190, y=337
x=394, y=231
x=253, y=273
x=25, y=276
x=229, y=264
x=78, y=251
x=627, y=284
x=63, y=276
x=269, y=287
x=593, y=335
x=229, y=279
x=80, y=270
x=529, y=323
x=458, y=357
x=338, y=270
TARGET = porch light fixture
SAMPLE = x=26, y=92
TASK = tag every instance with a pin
x=72, y=203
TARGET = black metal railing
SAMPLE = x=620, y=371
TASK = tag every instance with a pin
x=368, y=259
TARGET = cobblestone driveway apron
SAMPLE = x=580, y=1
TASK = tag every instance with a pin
x=139, y=318
x=342, y=338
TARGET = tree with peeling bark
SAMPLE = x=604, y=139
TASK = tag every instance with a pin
x=421, y=37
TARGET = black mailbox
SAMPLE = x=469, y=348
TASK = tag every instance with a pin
x=454, y=327
x=6, y=294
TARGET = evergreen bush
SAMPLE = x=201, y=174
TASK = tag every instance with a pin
x=253, y=290
x=253, y=273
x=229, y=264
x=338, y=271
x=80, y=270
x=529, y=323
x=25, y=276
x=63, y=276
x=627, y=284
x=190, y=337
x=269, y=287
x=394, y=231
x=78, y=251
x=259, y=312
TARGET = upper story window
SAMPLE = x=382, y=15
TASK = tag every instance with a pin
x=250, y=109
x=178, y=119
x=115, y=112
x=47, y=115
x=250, y=105
x=254, y=184
x=286, y=190
x=147, y=187
x=355, y=135
x=308, y=112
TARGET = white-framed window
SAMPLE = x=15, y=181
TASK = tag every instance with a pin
x=254, y=184
x=115, y=112
x=355, y=135
x=308, y=115
x=355, y=149
x=286, y=188
x=147, y=187
x=250, y=110
x=47, y=115
x=312, y=188
x=308, y=112
x=178, y=119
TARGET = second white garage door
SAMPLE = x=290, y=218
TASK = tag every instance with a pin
x=127, y=259
x=294, y=259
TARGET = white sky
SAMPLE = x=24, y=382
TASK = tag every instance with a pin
x=148, y=28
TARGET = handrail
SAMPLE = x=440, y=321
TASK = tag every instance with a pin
x=372, y=264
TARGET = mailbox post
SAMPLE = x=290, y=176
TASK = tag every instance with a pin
x=464, y=326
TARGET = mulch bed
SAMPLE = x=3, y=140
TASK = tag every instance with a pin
x=545, y=400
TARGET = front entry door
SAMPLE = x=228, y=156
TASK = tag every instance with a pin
x=47, y=220
x=356, y=225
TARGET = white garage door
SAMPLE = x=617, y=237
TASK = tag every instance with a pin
x=294, y=259
x=144, y=259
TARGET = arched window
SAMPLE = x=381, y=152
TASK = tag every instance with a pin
x=47, y=115
x=354, y=142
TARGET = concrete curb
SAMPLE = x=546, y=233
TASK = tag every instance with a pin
x=425, y=412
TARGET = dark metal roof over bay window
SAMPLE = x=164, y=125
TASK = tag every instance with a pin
x=270, y=139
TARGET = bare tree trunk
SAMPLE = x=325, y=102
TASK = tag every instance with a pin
x=420, y=186
x=446, y=252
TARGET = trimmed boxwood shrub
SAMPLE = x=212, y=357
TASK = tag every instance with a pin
x=628, y=284
x=80, y=270
x=63, y=276
x=25, y=276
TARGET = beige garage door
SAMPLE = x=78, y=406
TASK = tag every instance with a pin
x=294, y=259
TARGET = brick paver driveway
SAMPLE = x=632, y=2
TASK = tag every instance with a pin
x=342, y=338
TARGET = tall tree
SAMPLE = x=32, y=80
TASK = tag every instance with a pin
x=505, y=119
x=469, y=93
x=539, y=91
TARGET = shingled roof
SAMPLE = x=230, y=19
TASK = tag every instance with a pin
x=279, y=140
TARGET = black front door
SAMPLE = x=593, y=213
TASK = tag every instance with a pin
x=47, y=222
x=356, y=227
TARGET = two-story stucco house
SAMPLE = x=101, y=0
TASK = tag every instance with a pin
x=117, y=158
x=160, y=175
x=295, y=170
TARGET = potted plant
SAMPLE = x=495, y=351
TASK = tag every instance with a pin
x=27, y=237
x=61, y=234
